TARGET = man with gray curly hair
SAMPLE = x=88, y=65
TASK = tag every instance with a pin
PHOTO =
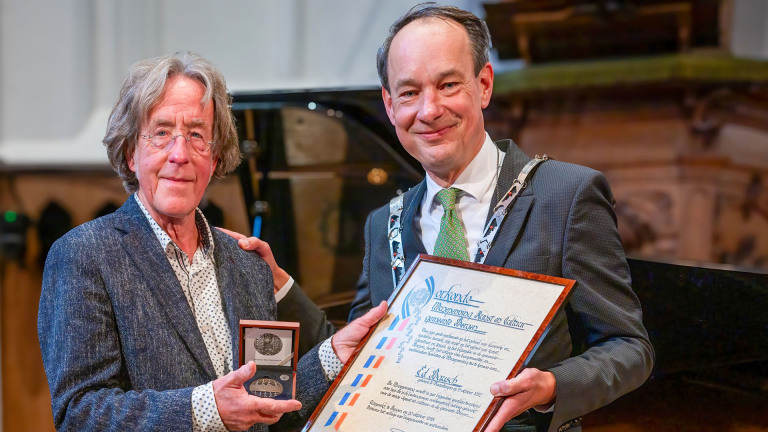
x=140, y=309
x=143, y=87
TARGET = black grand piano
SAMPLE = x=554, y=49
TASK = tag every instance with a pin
x=707, y=322
x=317, y=161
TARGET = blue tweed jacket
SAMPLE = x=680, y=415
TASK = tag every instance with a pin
x=120, y=346
x=562, y=224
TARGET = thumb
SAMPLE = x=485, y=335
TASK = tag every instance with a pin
x=244, y=243
x=374, y=315
x=360, y=326
x=243, y=373
x=344, y=342
x=252, y=244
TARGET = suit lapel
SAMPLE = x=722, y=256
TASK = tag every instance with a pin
x=142, y=247
x=412, y=245
x=511, y=227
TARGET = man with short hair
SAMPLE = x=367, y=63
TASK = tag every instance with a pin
x=436, y=80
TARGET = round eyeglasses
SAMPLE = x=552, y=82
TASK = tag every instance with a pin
x=163, y=140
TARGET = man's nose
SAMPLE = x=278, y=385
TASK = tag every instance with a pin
x=179, y=149
x=431, y=106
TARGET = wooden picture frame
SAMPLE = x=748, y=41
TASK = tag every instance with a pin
x=452, y=329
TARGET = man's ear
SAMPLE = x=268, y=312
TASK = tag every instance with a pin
x=129, y=157
x=485, y=78
x=214, y=164
x=387, y=98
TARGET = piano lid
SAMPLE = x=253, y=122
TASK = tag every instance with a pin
x=700, y=317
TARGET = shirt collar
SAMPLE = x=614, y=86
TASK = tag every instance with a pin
x=477, y=178
x=200, y=222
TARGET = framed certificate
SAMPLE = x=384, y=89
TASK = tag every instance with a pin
x=274, y=347
x=452, y=329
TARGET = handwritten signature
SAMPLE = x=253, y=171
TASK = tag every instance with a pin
x=436, y=376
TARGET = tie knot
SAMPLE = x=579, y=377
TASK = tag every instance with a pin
x=447, y=198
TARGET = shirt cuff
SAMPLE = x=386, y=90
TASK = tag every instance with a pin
x=544, y=411
x=205, y=413
x=328, y=360
x=284, y=289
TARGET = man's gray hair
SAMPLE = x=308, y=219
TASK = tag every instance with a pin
x=143, y=89
x=479, y=37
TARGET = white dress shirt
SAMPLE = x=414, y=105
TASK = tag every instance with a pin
x=477, y=183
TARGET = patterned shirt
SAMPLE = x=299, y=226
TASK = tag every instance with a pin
x=328, y=359
x=198, y=281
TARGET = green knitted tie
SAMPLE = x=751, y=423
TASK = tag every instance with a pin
x=452, y=239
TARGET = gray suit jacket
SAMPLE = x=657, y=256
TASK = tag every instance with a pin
x=562, y=225
x=120, y=344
